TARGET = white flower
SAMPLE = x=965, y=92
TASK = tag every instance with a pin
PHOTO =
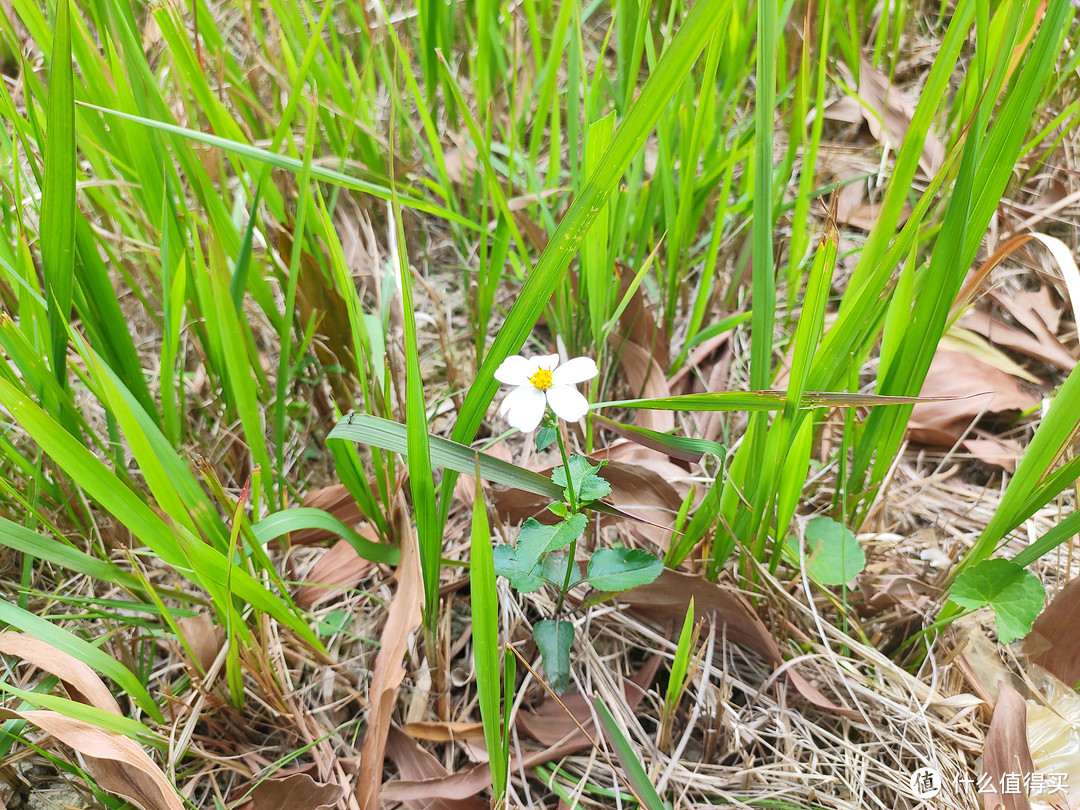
x=541, y=382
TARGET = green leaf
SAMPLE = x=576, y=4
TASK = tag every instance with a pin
x=507, y=565
x=536, y=539
x=618, y=569
x=834, y=556
x=388, y=435
x=278, y=524
x=58, y=209
x=554, y=640
x=587, y=485
x=636, y=775
x=554, y=568
x=545, y=436
x=485, y=630
x=1014, y=593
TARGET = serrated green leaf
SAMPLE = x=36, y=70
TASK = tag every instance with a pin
x=1014, y=593
x=587, y=485
x=554, y=640
x=618, y=569
x=536, y=539
x=506, y=565
x=834, y=556
x=554, y=568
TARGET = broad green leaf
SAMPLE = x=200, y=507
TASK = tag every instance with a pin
x=545, y=437
x=506, y=565
x=45, y=548
x=834, y=556
x=612, y=570
x=554, y=640
x=1014, y=593
x=554, y=566
x=587, y=485
x=536, y=539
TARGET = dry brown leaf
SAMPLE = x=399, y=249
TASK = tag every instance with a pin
x=82, y=682
x=1044, y=346
x=667, y=598
x=296, y=792
x=1006, y=751
x=204, y=637
x=444, y=732
x=1057, y=632
x=645, y=379
x=466, y=784
x=414, y=763
x=403, y=617
x=117, y=763
x=888, y=114
x=339, y=569
x=979, y=387
x=1003, y=453
x=637, y=321
x=339, y=502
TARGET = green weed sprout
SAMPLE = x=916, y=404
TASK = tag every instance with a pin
x=545, y=555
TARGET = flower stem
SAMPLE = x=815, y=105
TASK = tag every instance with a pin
x=571, y=495
x=571, y=552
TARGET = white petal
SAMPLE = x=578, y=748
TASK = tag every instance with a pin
x=567, y=402
x=548, y=361
x=574, y=371
x=513, y=371
x=514, y=397
x=527, y=409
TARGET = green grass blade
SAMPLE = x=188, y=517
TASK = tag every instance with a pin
x=636, y=776
x=484, y=599
x=58, y=209
x=281, y=523
x=90, y=654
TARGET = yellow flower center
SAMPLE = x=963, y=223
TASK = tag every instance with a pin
x=541, y=379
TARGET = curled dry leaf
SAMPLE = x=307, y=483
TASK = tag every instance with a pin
x=339, y=502
x=1056, y=635
x=403, y=617
x=82, y=682
x=888, y=115
x=296, y=792
x=414, y=764
x=444, y=732
x=645, y=379
x=339, y=569
x=978, y=388
x=204, y=637
x=117, y=763
x=1006, y=751
x=1053, y=734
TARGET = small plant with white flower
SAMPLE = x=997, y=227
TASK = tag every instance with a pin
x=546, y=554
